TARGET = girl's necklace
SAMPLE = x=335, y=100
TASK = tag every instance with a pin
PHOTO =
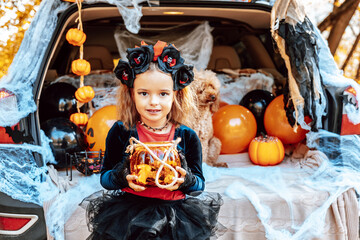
x=152, y=128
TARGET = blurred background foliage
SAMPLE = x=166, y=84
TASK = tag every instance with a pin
x=341, y=27
x=15, y=18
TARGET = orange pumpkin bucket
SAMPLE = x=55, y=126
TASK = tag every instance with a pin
x=154, y=163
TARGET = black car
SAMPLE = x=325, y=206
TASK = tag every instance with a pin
x=40, y=85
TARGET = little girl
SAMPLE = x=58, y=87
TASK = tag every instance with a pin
x=154, y=104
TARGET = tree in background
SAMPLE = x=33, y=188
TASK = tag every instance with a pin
x=343, y=28
x=15, y=17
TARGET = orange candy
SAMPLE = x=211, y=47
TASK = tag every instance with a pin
x=235, y=126
x=276, y=123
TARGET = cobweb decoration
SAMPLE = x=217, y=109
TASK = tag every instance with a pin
x=195, y=44
x=233, y=89
x=20, y=177
x=131, y=16
x=105, y=86
x=68, y=198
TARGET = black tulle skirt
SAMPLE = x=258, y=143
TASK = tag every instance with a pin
x=121, y=215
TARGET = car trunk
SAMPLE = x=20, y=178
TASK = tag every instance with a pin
x=228, y=25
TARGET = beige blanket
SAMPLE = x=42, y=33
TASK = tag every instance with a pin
x=240, y=217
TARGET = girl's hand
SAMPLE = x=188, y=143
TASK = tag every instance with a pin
x=180, y=180
x=132, y=185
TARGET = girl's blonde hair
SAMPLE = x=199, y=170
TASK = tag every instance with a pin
x=182, y=111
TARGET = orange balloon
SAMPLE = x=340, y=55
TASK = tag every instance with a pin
x=235, y=126
x=221, y=104
x=276, y=123
x=98, y=127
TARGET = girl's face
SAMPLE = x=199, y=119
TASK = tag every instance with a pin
x=153, y=96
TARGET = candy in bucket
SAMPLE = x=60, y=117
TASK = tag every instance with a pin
x=154, y=162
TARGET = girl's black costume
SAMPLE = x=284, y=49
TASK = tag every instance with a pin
x=122, y=215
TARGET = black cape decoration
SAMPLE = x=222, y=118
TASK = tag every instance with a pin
x=18, y=136
x=302, y=50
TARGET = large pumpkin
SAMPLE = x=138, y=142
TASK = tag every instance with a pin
x=75, y=37
x=266, y=151
x=98, y=127
x=85, y=94
x=80, y=67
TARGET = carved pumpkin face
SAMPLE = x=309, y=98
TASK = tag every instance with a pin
x=266, y=151
x=98, y=127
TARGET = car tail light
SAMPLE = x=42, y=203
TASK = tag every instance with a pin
x=7, y=99
x=15, y=224
x=347, y=127
x=7, y=102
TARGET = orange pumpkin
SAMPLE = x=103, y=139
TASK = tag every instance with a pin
x=266, y=151
x=80, y=67
x=75, y=37
x=85, y=94
x=79, y=118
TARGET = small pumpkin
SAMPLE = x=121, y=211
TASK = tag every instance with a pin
x=80, y=67
x=266, y=151
x=85, y=94
x=79, y=119
x=75, y=37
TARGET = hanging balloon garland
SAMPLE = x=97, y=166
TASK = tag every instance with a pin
x=80, y=67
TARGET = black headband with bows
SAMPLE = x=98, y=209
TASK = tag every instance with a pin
x=167, y=57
